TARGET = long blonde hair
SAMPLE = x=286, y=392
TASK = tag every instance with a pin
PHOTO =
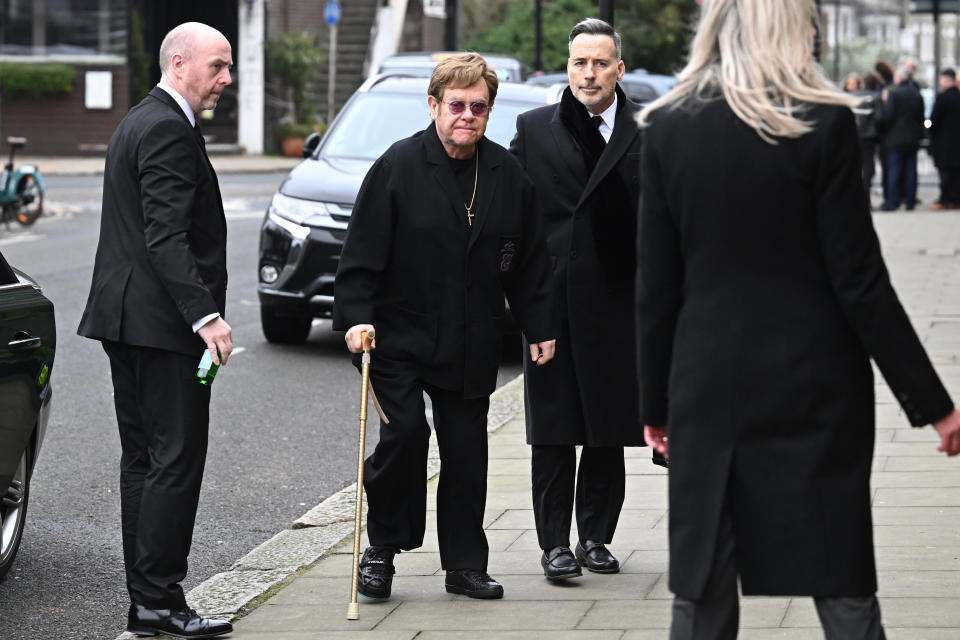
x=759, y=54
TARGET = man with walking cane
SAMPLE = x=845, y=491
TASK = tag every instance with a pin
x=444, y=226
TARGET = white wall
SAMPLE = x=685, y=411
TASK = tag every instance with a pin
x=251, y=75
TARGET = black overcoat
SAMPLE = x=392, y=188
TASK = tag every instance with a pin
x=596, y=306
x=161, y=263
x=763, y=296
x=903, y=119
x=945, y=129
x=432, y=287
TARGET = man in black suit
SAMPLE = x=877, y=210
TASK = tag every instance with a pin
x=156, y=300
x=583, y=156
x=444, y=225
x=903, y=122
x=945, y=140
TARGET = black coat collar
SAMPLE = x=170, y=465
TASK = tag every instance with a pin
x=437, y=156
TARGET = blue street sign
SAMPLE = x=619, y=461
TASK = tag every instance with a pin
x=332, y=12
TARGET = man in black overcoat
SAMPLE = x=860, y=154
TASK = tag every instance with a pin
x=945, y=140
x=583, y=156
x=903, y=123
x=156, y=301
x=444, y=226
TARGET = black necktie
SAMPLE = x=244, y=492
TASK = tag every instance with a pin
x=597, y=121
x=196, y=131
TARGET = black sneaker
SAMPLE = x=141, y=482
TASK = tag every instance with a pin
x=473, y=583
x=376, y=573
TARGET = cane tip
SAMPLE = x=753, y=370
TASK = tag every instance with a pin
x=353, y=611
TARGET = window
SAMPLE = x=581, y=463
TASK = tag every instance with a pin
x=63, y=28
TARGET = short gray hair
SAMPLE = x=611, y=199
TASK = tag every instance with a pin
x=595, y=27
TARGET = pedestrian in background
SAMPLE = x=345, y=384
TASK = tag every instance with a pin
x=945, y=140
x=903, y=126
x=885, y=72
x=444, y=225
x=157, y=299
x=757, y=325
x=583, y=157
x=866, y=115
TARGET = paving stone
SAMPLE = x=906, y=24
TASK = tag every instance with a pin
x=914, y=559
x=938, y=462
x=917, y=479
x=242, y=633
x=931, y=516
x=625, y=539
x=645, y=561
x=628, y=614
x=497, y=615
x=317, y=618
x=521, y=635
x=629, y=519
x=917, y=497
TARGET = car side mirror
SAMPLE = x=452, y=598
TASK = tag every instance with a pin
x=310, y=144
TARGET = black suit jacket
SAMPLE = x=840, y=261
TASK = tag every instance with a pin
x=434, y=290
x=762, y=297
x=161, y=261
x=945, y=129
x=903, y=119
x=578, y=229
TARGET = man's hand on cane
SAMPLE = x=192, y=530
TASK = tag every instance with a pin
x=354, y=340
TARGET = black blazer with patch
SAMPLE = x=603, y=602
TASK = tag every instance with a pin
x=161, y=260
x=433, y=287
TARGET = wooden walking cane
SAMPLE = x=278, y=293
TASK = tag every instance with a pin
x=353, y=609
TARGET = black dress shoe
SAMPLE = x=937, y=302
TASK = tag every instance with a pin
x=473, y=583
x=595, y=557
x=179, y=623
x=559, y=564
x=376, y=573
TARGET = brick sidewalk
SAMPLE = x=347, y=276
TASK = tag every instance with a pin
x=916, y=523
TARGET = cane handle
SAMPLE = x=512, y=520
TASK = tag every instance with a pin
x=366, y=339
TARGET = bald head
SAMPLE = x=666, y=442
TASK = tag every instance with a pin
x=195, y=61
x=184, y=39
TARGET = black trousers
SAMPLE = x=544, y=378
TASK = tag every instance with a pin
x=600, y=483
x=394, y=475
x=163, y=416
x=950, y=186
x=716, y=615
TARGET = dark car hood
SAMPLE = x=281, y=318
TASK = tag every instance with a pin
x=326, y=179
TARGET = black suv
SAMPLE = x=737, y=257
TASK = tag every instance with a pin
x=306, y=222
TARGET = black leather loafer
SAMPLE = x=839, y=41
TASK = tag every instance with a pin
x=376, y=573
x=595, y=557
x=473, y=583
x=179, y=623
x=560, y=564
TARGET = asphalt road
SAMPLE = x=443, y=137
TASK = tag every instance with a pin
x=282, y=431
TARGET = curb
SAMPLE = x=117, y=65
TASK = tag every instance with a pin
x=255, y=577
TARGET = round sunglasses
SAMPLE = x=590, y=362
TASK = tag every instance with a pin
x=456, y=107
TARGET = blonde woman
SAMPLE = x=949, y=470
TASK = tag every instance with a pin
x=764, y=296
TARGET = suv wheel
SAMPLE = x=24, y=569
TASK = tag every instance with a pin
x=13, y=513
x=284, y=329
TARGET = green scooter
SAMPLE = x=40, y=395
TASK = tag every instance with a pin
x=21, y=190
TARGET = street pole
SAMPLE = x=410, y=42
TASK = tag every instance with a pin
x=450, y=35
x=606, y=11
x=538, y=39
x=936, y=42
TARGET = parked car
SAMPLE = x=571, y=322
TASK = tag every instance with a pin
x=421, y=63
x=26, y=359
x=306, y=222
x=640, y=86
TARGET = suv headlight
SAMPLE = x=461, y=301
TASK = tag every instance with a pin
x=304, y=213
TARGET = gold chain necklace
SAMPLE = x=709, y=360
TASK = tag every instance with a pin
x=476, y=174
